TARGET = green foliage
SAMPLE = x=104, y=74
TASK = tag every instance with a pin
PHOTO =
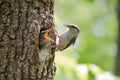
x=68, y=69
x=97, y=41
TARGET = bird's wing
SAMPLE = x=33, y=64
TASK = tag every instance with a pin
x=72, y=41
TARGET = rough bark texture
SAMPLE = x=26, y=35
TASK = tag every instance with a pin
x=19, y=40
x=117, y=70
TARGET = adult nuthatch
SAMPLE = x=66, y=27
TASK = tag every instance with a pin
x=68, y=37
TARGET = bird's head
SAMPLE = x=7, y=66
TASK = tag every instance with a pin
x=72, y=26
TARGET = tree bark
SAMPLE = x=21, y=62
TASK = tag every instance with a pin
x=117, y=69
x=20, y=55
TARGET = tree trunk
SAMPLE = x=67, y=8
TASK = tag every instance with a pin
x=117, y=70
x=21, y=22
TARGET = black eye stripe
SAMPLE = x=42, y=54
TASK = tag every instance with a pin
x=75, y=28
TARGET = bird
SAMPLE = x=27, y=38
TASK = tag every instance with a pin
x=44, y=38
x=68, y=37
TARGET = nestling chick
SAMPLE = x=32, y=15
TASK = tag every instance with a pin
x=44, y=38
x=68, y=37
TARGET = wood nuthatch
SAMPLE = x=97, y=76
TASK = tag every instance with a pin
x=68, y=37
x=44, y=38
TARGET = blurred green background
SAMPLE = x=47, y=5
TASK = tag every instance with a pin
x=94, y=52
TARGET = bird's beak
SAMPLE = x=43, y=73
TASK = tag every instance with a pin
x=66, y=25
